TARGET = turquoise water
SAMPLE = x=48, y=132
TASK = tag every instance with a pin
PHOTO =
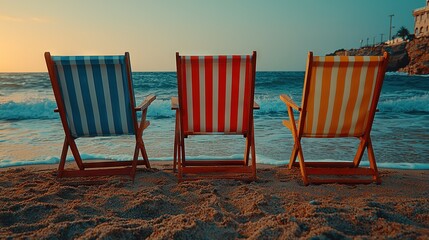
x=31, y=133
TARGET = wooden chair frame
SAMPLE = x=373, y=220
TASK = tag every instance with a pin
x=333, y=168
x=101, y=168
x=234, y=169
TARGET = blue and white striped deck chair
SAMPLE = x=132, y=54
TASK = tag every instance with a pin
x=95, y=97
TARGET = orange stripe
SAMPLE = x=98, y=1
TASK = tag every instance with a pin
x=354, y=86
x=363, y=111
x=324, y=97
x=339, y=94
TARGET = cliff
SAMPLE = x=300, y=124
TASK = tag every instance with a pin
x=410, y=57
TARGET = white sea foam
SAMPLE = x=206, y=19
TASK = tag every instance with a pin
x=259, y=159
x=405, y=74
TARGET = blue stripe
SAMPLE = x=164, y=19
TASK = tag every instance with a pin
x=86, y=95
x=98, y=82
x=72, y=97
x=127, y=97
x=111, y=74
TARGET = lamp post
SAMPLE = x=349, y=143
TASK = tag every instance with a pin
x=390, y=29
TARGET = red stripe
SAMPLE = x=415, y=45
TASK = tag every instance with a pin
x=195, y=92
x=222, y=93
x=246, y=106
x=208, y=65
x=184, y=95
x=234, y=92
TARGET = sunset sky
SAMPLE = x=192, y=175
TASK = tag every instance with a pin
x=282, y=31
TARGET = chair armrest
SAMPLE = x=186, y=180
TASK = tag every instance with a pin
x=256, y=106
x=174, y=103
x=286, y=99
x=146, y=102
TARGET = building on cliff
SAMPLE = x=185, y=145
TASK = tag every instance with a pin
x=421, y=21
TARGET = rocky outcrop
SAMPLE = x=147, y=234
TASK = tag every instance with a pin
x=418, y=51
x=410, y=57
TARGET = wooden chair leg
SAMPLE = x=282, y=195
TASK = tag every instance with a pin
x=181, y=158
x=76, y=154
x=176, y=140
x=63, y=158
x=252, y=145
x=247, y=151
x=134, y=161
x=144, y=154
x=302, y=164
x=359, y=152
x=372, y=163
x=293, y=156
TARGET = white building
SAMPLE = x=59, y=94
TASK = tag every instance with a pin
x=421, y=21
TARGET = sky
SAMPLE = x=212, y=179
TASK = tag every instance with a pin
x=281, y=31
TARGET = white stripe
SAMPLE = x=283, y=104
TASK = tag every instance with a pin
x=66, y=98
x=241, y=88
x=121, y=96
x=188, y=82
x=107, y=98
x=228, y=93
x=320, y=61
x=93, y=95
x=317, y=96
x=361, y=90
x=215, y=92
x=345, y=95
x=202, y=95
x=332, y=93
x=79, y=97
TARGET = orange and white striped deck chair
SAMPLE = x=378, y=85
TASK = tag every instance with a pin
x=95, y=98
x=215, y=96
x=339, y=99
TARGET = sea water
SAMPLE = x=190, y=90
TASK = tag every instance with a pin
x=31, y=132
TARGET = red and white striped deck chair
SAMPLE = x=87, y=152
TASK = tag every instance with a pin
x=339, y=99
x=215, y=97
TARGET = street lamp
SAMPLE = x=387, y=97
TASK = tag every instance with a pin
x=390, y=30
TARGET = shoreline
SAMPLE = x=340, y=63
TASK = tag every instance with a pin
x=35, y=204
x=168, y=165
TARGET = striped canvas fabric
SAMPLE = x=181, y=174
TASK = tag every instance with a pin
x=96, y=95
x=216, y=93
x=340, y=95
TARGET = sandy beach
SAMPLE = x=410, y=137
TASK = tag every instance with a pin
x=35, y=204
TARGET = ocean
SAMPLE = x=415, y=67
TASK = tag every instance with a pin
x=31, y=132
